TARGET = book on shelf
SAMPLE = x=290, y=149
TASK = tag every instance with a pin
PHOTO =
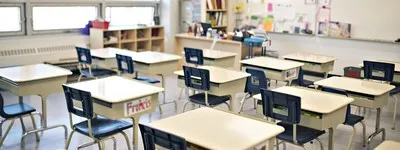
x=217, y=18
x=216, y=4
x=210, y=4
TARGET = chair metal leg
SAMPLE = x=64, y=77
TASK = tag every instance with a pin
x=22, y=124
x=364, y=137
x=101, y=145
x=40, y=116
x=229, y=107
x=1, y=127
x=34, y=127
x=79, y=78
x=160, y=109
x=180, y=94
x=284, y=145
x=320, y=143
x=7, y=131
x=184, y=106
x=126, y=139
x=352, y=137
x=69, y=139
x=86, y=145
x=255, y=103
x=114, y=142
x=242, y=103
x=304, y=147
x=394, y=112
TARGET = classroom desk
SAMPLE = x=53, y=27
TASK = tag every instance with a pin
x=396, y=77
x=116, y=97
x=388, y=145
x=275, y=69
x=218, y=58
x=148, y=62
x=366, y=93
x=320, y=110
x=223, y=82
x=219, y=130
x=38, y=79
x=313, y=62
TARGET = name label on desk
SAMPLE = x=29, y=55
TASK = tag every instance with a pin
x=137, y=106
x=290, y=73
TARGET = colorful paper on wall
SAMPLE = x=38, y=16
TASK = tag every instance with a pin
x=268, y=24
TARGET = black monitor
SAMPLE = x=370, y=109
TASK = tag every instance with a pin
x=205, y=27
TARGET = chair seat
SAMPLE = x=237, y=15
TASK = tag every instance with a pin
x=395, y=91
x=15, y=110
x=212, y=99
x=97, y=72
x=102, y=127
x=148, y=80
x=306, y=83
x=353, y=119
x=304, y=134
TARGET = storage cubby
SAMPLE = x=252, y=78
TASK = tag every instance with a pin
x=131, y=38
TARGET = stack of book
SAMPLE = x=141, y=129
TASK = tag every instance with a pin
x=216, y=13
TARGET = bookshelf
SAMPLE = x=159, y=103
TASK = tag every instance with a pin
x=217, y=13
x=130, y=38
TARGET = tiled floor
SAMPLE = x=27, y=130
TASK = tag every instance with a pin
x=57, y=114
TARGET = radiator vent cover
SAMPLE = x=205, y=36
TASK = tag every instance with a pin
x=17, y=52
x=33, y=51
x=56, y=49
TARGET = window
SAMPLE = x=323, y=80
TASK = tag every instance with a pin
x=128, y=16
x=11, y=20
x=62, y=17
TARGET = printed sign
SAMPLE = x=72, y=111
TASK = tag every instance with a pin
x=290, y=74
x=137, y=106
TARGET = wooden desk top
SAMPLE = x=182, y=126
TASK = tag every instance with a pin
x=217, y=54
x=216, y=129
x=396, y=64
x=116, y=89
x=315, y=101
x=220, y=75
x=388, y=145
x=356, y=85
x=147, y=57
x=32, y=72
x=273, y=63
x=314, y=58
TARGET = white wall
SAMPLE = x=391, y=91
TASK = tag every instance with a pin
x=347, y=52
x=170, y=20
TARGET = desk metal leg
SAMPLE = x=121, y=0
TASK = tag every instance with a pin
x=232, y=103
x=377, y=129
x=164, y=96
x=135, y=141
x=331, y=138
x=44, y=123
x=326, y=75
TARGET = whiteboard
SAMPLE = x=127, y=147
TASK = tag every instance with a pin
x=369, y=19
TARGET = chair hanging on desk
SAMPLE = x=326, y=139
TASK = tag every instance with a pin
x=199, y=80
x=193, y=56
x=85, y=65
x=154, y=138
x=254, y=84
x=383, y=72
x=294, y=133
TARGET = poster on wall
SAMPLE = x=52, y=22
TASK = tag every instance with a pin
x=324, y=2
x=310, y=2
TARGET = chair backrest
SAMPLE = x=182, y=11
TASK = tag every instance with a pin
x=152, y=136
x=256, y=81
x=300, y=78
x=378, y=71
x=197, y=78
x=2, y=112
x=194, y=56
x=85, y=98
x=84, y=55
x=125, y=64
x=340, y=92
x=290, y=103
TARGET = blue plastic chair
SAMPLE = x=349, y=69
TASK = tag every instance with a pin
x=152, y=137
x=194, y=56
x=125, y=65
x=95, y=127
x=12, y=112
x=351, y=119
x=254, y=84
x=202, y=85
x=300, y=81
x=85, y=65
x=294, y=133
x=384, y=72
